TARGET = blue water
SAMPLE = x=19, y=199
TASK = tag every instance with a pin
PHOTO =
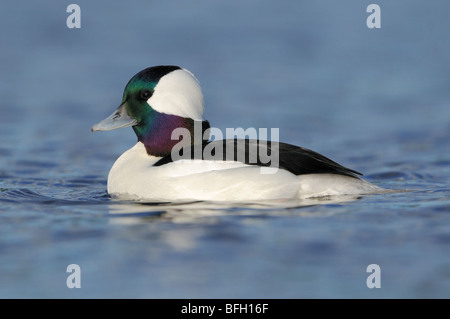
x=377, y=101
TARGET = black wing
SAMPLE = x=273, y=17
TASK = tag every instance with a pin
x=295, y=159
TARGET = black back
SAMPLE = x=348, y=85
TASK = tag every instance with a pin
x=295, y=159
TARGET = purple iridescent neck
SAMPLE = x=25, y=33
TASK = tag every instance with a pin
x=157, y=131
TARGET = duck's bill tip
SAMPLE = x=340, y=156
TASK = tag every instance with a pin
x=118, y=119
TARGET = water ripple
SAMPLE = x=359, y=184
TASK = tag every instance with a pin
x=25, y=195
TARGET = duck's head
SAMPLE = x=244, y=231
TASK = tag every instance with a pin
x=156, y=101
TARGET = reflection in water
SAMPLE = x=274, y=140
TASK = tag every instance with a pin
x=191, y=211
x=220, y=214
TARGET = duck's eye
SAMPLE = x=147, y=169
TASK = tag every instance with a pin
x=145, y=95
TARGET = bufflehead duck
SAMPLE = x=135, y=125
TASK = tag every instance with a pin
x=160, y=100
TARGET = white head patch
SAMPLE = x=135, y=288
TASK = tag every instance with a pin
x=178, y=93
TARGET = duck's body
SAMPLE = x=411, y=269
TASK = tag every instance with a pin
x=134, y=176
x=159, y=100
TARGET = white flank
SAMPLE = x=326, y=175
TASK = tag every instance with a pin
x=134, y=177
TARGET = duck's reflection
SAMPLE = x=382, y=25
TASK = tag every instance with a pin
x=196, y=211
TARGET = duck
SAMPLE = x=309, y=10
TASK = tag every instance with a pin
x=175, y=159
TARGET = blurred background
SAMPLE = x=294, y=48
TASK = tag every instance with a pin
x=376, y=100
